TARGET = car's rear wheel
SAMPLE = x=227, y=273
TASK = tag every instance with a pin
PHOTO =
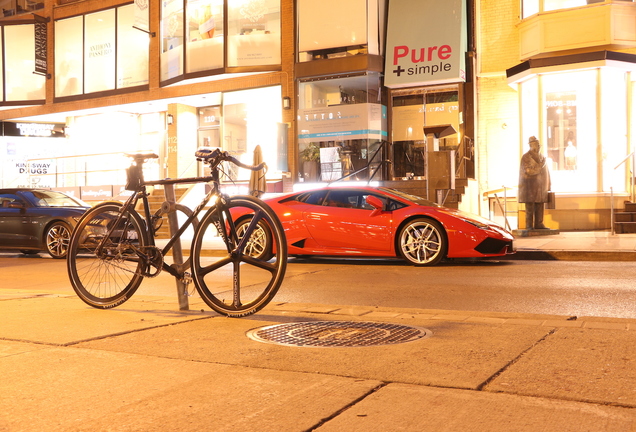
x=259, y=245
x=423, y=242
x=56, y=238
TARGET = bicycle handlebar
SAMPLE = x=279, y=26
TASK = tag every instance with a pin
x=216, y=156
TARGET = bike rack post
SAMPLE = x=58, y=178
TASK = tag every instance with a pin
x=177, y=253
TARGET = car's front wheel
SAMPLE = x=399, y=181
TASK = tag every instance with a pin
x=56, y=238
x=423, y=242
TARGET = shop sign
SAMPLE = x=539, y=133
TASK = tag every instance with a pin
x=33, y=129
x=343, y=122
x=426, y=43
x=30, y=173
x=96, y=193
x=41, y=59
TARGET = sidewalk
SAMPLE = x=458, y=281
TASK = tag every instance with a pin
x=146, y=366
x=577, y=246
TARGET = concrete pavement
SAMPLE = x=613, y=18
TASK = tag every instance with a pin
x=146, y=366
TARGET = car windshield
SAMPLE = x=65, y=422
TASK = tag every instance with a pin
x=55, y=199
x=413, y=198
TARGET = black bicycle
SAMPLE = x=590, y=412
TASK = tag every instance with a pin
x=112, y=248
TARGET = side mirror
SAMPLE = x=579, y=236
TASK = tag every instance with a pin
x=376, y=203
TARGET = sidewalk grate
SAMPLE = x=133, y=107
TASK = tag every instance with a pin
x=337, y=334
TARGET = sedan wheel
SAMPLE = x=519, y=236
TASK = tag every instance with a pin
x=423, y=242
x=259, y=244
x=57, y=237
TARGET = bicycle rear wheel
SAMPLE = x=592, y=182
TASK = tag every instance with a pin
x=241, y=282
x=102, y=263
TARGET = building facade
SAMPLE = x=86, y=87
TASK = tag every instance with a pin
x=561, y=71
x=331, y=91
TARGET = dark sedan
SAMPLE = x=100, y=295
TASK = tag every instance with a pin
x=33, y=220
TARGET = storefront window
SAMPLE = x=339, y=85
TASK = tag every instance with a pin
x=1, y=68
x=413, y=111
x=252, y=37
x=69, y=64
x=204, y=41
x=172, y=35
x=250, y=118
x=341, y=127
x=613, y=109
x=530, y=111
x=99, y=52
x=570, y=142
x=529, y=8
x=254, y=32
x=532, y=7
x=21, y=84
x=335, y=28
x=18, y=7
x=132, y=50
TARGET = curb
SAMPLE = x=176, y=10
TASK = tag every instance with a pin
x=564, y=255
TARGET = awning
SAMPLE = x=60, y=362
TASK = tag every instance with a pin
x=533, y=67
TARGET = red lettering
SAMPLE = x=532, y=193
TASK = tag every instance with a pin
x=444, y=52
x=419, y=55
x=430, y=52
x=420, y=59
x=399, y=51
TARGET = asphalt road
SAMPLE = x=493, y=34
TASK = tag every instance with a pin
x=581, y=289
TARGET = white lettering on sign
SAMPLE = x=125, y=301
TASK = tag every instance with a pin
x=35, y=129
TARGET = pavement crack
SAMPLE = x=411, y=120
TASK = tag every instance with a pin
x=347, y=407
x=491, y=378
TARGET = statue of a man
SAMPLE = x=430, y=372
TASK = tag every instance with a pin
x=534, y=184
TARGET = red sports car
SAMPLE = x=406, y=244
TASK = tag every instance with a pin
x=365, y=221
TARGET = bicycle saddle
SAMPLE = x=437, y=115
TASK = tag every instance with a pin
x=207, y=153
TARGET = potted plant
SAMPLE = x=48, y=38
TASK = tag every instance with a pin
x=310, y=156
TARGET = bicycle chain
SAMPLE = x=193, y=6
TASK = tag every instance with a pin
x=148, y=262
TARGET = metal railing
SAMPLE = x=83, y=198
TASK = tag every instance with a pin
x=372, y=167
x=631, y=156
x=504, y=207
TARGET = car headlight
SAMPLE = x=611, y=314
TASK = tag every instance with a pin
x=478, y=224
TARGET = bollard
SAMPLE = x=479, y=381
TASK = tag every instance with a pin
x=177, y=252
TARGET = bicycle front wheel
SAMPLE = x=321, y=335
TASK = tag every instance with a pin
x=242, y=282
x=103, y=265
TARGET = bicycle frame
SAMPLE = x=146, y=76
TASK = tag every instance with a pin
x=140, y=193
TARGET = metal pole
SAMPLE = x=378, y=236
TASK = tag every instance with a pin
x=612, y=210
x=632, y=174
x=505, y=209
x=177, y=253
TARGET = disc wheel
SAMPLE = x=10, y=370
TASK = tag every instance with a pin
x=103, y=265
x=423, y=242
x=241, y=282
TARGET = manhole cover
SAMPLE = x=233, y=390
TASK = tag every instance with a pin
x=337, y=334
